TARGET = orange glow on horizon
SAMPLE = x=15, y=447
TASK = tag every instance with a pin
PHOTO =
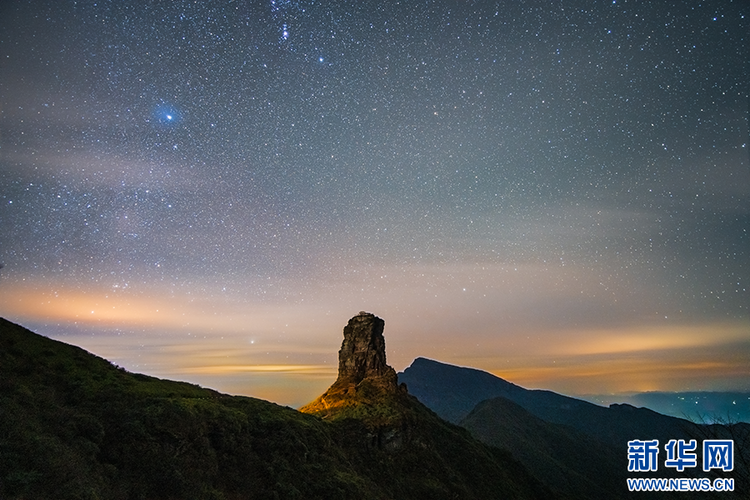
x=627, y=375
x=316, y=370
x=281, y=351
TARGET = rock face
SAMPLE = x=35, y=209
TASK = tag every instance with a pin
x=362, y=353
x=364, y=377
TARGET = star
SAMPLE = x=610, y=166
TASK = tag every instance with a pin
x=257, y=151
x=167, y=114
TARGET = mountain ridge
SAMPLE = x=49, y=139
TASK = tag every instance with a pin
x=72, y=425
x=453, y=391
x=487, y=405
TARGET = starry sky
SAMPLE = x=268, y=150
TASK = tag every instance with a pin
x=556, y=192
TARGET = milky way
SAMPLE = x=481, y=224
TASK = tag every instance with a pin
x=558, y=192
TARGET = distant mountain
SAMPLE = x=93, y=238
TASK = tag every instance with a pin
x=552, y=434
x=72, y=425
x=575, y=464
x=706, y=407
x=453, y=391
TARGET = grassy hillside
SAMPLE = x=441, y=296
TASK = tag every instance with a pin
x=73, y=425
x=574, y=464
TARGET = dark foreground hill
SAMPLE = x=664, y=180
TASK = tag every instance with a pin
x=72, y=425
x=569, y=461
x=577, y=448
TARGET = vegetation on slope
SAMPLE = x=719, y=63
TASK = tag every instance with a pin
x=72, y=425
x=570, y=462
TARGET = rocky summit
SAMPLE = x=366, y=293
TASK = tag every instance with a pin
x=364, y=377
x=362, y=353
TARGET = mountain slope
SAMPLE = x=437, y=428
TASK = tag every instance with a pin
x=72, y=425
x=75, y=426
x=551, y=433
x=567, y=460
x=442, y=456
x=453, y=391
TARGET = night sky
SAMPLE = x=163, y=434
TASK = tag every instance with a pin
x=557, y=192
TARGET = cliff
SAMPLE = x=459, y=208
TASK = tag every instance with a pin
x=365, y=381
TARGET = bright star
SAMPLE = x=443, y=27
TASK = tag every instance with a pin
x=167, y=114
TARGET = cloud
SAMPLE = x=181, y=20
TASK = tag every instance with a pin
x=654, y=338
x=537, y=324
